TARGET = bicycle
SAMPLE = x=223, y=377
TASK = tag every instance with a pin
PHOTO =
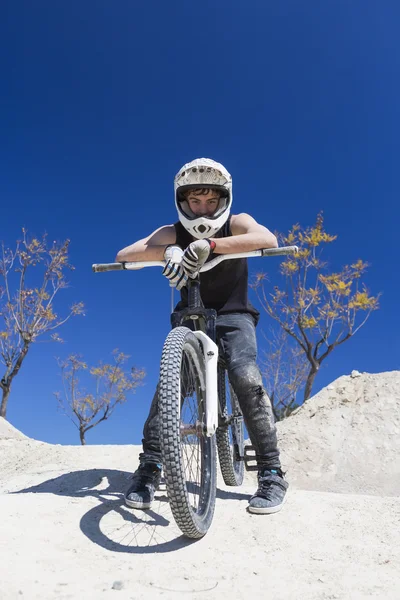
x=197, y=415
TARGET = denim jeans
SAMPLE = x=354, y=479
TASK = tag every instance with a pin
x=236, y=338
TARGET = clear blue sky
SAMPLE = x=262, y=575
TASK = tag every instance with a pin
x=102, y=102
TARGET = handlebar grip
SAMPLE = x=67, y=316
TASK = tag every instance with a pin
x=280, y=251
x=99, y=268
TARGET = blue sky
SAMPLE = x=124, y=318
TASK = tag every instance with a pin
x=101, y=104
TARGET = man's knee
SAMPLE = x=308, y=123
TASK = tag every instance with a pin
x=246, y=379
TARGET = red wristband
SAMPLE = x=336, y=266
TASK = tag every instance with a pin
x=212, y=244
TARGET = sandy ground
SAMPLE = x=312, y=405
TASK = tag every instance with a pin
x=66, y=534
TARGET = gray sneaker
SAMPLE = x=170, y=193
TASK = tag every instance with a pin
x=144, y=483
x=271, y=493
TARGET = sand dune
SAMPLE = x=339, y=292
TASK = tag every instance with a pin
x=66, y=534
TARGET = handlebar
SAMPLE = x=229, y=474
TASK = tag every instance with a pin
x=132, y=266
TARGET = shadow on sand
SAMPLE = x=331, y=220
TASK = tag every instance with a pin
x=110, y=523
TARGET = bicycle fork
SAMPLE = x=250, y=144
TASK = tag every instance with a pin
x=211, y=392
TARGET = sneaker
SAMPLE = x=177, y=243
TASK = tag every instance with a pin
x=271, y=493
x=144, y=483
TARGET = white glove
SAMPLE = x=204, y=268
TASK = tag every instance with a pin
x=173, y=253
x=173, y=269
x=196, y=255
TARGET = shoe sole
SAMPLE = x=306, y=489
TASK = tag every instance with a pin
x=138, y=505
x=267, y=510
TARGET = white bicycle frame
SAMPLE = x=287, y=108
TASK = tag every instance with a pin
x=209, y=346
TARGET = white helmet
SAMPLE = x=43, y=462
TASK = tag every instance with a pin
x=203, y=173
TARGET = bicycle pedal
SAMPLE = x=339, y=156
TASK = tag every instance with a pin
x=250, y=458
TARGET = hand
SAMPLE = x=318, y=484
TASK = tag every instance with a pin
x=173, y=253
x=173, y=269
x=196, y=255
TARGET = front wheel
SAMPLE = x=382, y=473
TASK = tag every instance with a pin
x=188, y=455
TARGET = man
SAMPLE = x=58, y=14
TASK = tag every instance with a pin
x=203, y=199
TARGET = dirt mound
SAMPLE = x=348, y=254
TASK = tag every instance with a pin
x=64, y=518
x=346, y=438
x=8, y=432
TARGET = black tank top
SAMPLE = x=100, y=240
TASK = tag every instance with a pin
x=225, y=287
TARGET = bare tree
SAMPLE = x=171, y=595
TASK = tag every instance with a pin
x=28, y=310
x=284, y=367
x=111, y=385
x=319, y=311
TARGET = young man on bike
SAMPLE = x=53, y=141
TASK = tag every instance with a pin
x=203, y=199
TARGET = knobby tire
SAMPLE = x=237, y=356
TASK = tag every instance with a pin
x=230, y=438
x=182, y=385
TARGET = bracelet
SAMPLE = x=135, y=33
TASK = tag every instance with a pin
x=212, y=244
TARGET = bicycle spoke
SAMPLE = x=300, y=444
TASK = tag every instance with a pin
x=190, y=422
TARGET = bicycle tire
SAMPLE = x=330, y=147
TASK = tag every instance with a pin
x=230, y=438
x=182, y=374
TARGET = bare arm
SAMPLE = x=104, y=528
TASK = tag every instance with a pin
x=151, y=247
x=247, y=235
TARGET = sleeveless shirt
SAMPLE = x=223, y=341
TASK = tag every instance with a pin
x=225, y=287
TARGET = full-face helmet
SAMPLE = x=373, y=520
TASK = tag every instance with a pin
x=203, y=173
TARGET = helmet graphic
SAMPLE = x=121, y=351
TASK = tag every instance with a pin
x=198, y=174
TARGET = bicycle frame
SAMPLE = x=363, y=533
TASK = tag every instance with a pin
x=204, y=320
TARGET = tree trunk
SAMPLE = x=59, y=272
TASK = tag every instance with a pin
x=310, y=382
x=6, y=381
x=4, y=400
x=274, y=411
x=82, y=436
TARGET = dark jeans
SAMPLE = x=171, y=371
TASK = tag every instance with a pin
x=236, y=338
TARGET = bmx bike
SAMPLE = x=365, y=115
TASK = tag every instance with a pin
x=198, y=409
